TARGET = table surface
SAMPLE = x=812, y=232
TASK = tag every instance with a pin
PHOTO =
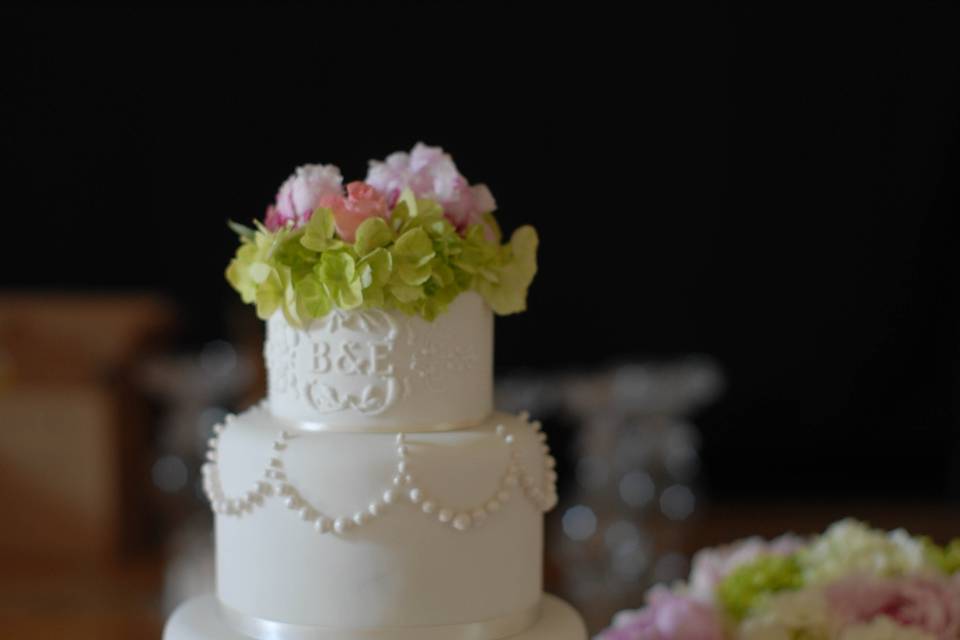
x=46, y=599
x=70, y=600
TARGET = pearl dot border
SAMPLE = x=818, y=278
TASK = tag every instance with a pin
x=404, y=487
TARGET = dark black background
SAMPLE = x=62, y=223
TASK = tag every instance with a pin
x=775, y=188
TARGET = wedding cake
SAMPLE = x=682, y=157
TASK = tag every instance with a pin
x=375, y=493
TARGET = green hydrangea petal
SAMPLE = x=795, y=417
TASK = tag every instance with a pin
x=260, y=271
x=316, y=302
x=380, y=263
x=749, y=585
x=400, y=216
x=337, y=267
x=319, y=231
x=350, y=296
x=946, y=558
x=414, y=245
x=432, y=308
x=238, y=273
x=245, y=232
x=293, y=308
x=372, y=234
x=268, y=301
x=509, y=294
x=442, y=273
x=428, y=212
x=951, y=557
x=406, y=293
x=374, y=297
x=489, y=275
x=441, y=228
x=291, y=253
x=270, y=294
x=412, y=274
x=408, y=202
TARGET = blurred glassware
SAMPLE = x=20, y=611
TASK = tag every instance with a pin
x=193, y=392
x=631, y=459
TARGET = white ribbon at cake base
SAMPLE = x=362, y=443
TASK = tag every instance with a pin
x=491, y=629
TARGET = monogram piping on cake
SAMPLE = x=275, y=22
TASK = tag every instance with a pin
x=404, y=487
x=361, y=361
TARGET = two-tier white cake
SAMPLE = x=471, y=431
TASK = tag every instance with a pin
x=375, y=493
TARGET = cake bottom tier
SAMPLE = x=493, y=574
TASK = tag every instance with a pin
x=199, y=619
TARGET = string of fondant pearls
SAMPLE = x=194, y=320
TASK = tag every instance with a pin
x=542, y=494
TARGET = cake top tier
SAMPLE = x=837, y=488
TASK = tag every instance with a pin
x=411, y=237
x=383, y=370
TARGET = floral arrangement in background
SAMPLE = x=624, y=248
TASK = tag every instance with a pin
x=849, y=583
x=412, y=236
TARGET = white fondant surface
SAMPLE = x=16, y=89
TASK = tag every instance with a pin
x=197, y=619
x=402, y=567
x=383, y=370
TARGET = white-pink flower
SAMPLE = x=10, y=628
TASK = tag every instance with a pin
x=301, y=193
x=667, y=616
x=431, y=174
x=928, y=603
x=711, y=566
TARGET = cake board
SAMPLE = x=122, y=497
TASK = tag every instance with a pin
x=197, y=619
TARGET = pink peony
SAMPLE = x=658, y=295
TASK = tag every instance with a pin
x=711, y=566
x=362, y=202
x=667, y=616
x=930, y=604
x=431, y=174
x=301, y=193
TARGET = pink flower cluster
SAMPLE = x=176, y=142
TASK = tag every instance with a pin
x=923, y=602
x=929, y=604
x=691, y=614
x=300, y=194
x=427, y=171
x=667, y=616
x=431, y=174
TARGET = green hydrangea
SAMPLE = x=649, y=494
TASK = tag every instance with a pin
x=415, y=262
x=749, y=585
x=946, y=558
x=793, y=615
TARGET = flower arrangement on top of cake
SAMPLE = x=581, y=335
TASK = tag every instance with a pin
x=412, y=236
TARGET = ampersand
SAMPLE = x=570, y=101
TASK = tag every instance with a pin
x=348, y=363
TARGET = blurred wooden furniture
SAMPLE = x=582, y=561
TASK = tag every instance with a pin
x=73, y=430
x=44, y=600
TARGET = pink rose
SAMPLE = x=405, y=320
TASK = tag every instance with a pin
x=930, y=604
x=301, y=193
x=711, y=566
x=362, y=202
x=667, y=616
x=431, y=174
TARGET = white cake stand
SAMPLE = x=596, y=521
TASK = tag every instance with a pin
x=197, y=619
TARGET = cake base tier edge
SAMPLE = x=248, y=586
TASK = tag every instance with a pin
x=197, y=619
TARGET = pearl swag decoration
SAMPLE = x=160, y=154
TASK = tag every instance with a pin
x=404, y=487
